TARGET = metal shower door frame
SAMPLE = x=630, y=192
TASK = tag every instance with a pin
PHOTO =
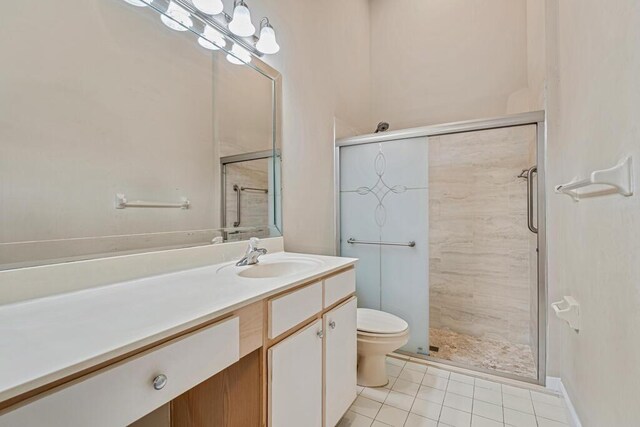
x=536, y=118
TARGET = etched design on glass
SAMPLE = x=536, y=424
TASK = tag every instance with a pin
x=380, y=189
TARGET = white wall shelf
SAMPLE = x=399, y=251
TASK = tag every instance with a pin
x=618, y=179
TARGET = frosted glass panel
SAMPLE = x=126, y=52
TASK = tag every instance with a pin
x=384, y=198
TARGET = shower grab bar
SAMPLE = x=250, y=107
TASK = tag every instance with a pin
x=236, y=188
x=122, y=203
x=353, y=241
x=258, y=190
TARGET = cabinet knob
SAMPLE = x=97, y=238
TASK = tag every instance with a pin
x=332, y=324
x=159, y=382
x=320, y=333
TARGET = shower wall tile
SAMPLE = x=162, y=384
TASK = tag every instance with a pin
x=479, y=245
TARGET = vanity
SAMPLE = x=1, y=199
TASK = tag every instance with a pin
x=271, y=344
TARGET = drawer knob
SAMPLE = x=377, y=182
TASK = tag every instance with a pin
x=320, y=333
x=159, y=382
x=332, y=324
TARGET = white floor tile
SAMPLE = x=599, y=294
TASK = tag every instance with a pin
x=379, y=424
x=393, y=370
x=488, y=396
x=397, y=362
x=406, y=387
x=367, y=407
x=435, y=381
x=393, y=416
x=543, y=422
x=518, y=419
x=515, y=391
x=487, y=410
x=457, y=401
x=431, y=394
x=454, y=417
x=415, y=420
x=409, y=375
x=462, y=389
x=352, y=419
x=550, y=399
x=490, y=385
x=418, y=367
x=461, y=378
x=359, y=389
x=518, y=403
x=392, y=381
x=399, y=400
x=426, y=409
x=437, y=371
x=379, y=394
x=551, y=412
x=477, y=421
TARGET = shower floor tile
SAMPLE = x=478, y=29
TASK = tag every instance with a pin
x=485, y=353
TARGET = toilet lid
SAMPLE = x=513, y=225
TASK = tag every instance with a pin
x=379, y=322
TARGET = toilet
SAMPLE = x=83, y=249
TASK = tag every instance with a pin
x=379, y=333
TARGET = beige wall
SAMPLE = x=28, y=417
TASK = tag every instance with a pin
x=438, y=61
x=479, y=245
x=325, y=69
x=594, y=106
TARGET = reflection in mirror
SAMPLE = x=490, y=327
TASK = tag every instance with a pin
x=133, y=109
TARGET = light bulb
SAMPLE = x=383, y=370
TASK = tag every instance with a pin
x=211, y=39
x=139, y=3
x=267, y=43
x=176, y=18
x=242, y=55
x=240, y=24
x=210, y=7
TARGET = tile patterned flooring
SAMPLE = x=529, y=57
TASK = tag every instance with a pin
x=486, y=353
x=420, y=395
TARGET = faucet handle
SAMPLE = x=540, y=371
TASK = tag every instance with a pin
x=253, y=242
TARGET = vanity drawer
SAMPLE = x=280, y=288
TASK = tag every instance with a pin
x=121, y=394
x=293, y=308
x=339, y=286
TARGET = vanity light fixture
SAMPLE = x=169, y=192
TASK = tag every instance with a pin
x=176, y=18
x=267, y=42
x=211, y=39
x=210, y=7
x=240, y=24
x=242, y=55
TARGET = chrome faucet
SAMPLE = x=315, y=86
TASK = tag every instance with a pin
x=252, y=254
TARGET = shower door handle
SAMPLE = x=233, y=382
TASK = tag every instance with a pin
x=236, y=188
x=530, y=205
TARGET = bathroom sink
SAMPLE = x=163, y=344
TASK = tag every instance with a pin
x=265, y=270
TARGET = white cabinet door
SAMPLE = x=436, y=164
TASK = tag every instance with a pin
x=341, y=340
x=295, y=379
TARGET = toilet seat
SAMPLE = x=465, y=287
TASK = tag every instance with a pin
x=375, y=322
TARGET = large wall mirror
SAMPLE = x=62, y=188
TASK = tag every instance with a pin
x=119, y=135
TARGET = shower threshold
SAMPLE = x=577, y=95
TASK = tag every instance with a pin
x=485, y=354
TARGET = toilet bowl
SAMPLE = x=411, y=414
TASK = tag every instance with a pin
x=379, y=333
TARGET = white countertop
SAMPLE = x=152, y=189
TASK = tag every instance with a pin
x=45, y=339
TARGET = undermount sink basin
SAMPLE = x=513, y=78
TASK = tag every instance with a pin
x=265, y=270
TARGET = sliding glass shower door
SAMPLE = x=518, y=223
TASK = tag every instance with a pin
x=444, y=221
x=384, y=211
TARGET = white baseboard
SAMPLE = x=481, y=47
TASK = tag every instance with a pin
x=555, y=384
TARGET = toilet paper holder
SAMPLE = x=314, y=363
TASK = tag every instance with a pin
x=568, y=310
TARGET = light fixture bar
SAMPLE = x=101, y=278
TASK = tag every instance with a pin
x=220, y=27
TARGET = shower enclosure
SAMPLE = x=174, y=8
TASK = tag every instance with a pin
x=448, y=224
x=248, y=208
